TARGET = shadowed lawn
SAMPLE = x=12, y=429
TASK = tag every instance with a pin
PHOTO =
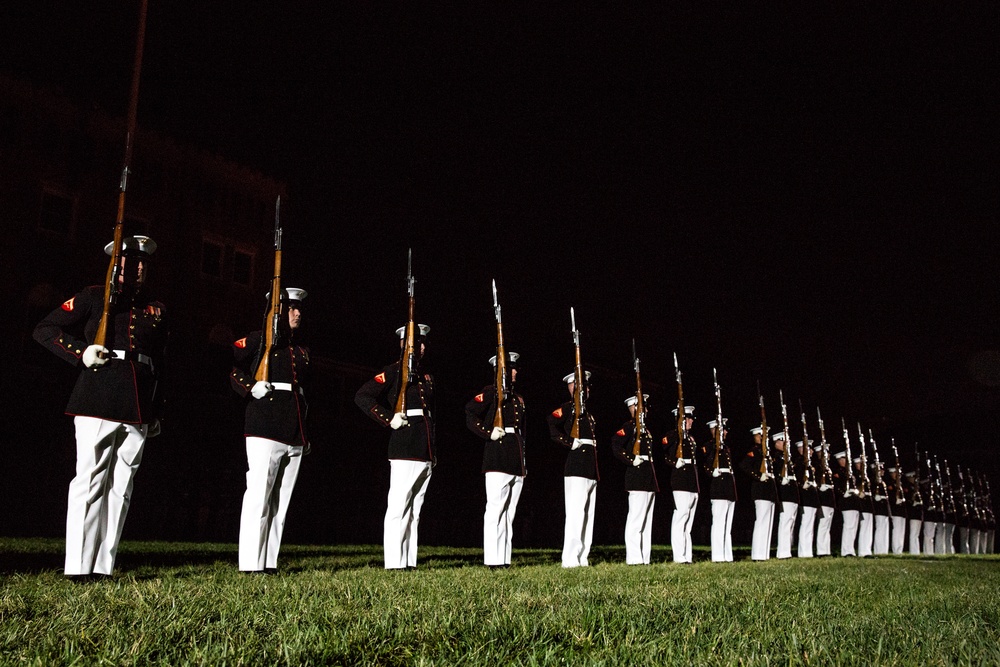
x=177, y=603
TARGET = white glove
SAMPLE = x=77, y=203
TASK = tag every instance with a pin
x=637, y=461
x=91, y=356
x=261, y=389
x=398, y=421
x=680, y=464
x=496, y=433
x=716, y=473
x=576, y=443
x=154, y=429
x=764, y=476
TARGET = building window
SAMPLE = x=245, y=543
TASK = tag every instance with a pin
x=211, y=259
x=56, y=213
x=242, y=268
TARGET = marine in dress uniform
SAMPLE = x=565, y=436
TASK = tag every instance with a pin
x=411, y=450
x=641, y=485
x=850, y=504
x=883, y=515
x=503, y=463
x=808, y=504
x=827, y=503
x=580, y=476
x=944, y=536
x=764, y=494
x=788, y=491
x=684, y=487
x=115, y=404
x=897, y=502
x=275, y=429
x=914, y=510
x=932, y=513
x=866, y=527
x=722, y=492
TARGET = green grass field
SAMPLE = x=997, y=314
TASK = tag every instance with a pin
x=173, y=604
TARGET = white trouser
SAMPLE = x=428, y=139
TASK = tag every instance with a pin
x=866, y=534
x=272, y=469
x=502, y=494
x=823, y=528
x=722, y=530
x=578, y=531
x=974, y=541
x=990, y=537
x=963, y=540
x=850, y=533
x=949, y=538
x=898, y=534
x=940, y=535
x=807, y=528
x=639, y=527
x=786, y=526
x=880, y=545
x=763, y=524
x=914, y=541
x=407, y=486
x=108, y=455
x=685, y=503
x=930, y=530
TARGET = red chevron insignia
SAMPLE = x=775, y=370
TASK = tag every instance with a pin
x=241, y=343
x=68, y=305
x=479, y=398
x=380, y=378
x=621, y=431
x=558, y=413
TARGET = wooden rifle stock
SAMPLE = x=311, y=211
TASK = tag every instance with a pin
x=865, y=487
x=719, y=437
x=880, y=486
x=765, y=463
x=407, y=365
x=917, y=498
x=826, y=479
x=809, y=474
x=579, y=402
x=786, y=461
x=640, y=408
x=111, y=287
x=275, y=311
x=681, y=413
x=500, y=380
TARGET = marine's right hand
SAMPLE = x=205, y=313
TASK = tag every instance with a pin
x=92, y=356
x=261, y=389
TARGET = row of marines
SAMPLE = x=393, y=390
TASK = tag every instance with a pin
x=117, y=402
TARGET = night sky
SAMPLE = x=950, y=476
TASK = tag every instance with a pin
x=794, y=194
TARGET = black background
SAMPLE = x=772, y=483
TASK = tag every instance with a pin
x=800, y=196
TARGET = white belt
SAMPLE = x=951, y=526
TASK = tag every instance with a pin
x=586, y=441
x=283, y=386
x=138, y=356
x=685, y=461
x=727, y=471
x=415, y=412
x=825, y=487
x=509, y=429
